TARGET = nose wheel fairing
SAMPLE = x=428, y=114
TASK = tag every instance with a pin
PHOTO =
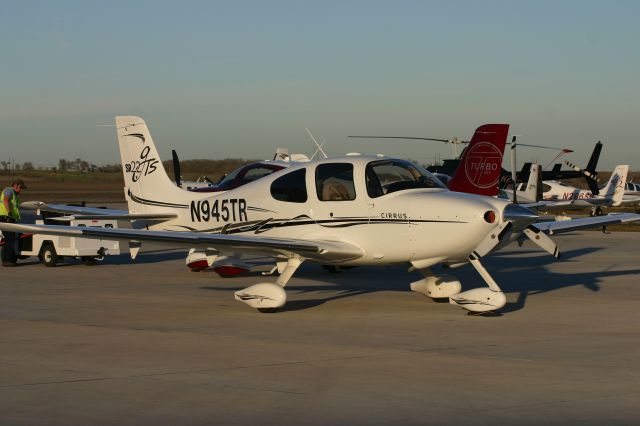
x=486, y=299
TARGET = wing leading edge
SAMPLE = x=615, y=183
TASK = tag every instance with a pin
x=325, y=251
x=562, y=226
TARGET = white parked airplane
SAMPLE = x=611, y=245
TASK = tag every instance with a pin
x=352, y=210
x=612, y=194
x=631, y=188
x=558, y=195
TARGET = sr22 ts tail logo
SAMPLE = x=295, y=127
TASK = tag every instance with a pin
x=144, y=167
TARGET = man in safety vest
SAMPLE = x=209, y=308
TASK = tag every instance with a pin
x=10, y=212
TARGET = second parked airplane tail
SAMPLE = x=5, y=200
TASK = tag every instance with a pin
x=614, y=189
x=481, y=163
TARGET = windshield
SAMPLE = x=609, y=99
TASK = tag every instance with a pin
x=387, y=176
x=228, y=179
x=246, y=174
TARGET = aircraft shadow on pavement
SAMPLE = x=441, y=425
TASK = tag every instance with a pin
x=529, y=275
x=515, y=273
x=352, y=282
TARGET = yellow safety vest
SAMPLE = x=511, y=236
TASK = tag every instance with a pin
x=14, y=202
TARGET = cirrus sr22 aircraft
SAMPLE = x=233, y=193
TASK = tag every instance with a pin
x=350, y=211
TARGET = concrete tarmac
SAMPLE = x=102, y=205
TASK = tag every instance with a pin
x=151, y=343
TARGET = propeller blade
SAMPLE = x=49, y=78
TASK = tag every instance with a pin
x=410, y=137
x=591, y=178
x=176, y=168
x=542, y=240
x=562, y=150
x=459, y=141
x=587, y=173
x=492, y=239
x=513, y=169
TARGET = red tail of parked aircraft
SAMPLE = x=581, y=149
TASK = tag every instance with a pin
x=481, y=164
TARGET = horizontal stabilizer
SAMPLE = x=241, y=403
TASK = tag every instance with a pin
x=92, y=213
x=70, y=210
x=128, y=216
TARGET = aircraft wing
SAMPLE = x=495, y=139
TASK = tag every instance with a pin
x=578, y=203
x=547, y=204
x=326, y=251
x=88, y=213
x=630, y=199
x=559, y=227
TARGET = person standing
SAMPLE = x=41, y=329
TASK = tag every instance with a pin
x=10, y=213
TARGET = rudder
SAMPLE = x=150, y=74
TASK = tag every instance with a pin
x=614, y=189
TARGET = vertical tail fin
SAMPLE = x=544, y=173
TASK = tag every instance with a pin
x=614, y=189
x=533, y=190
x=481, y=164
x=148, y=188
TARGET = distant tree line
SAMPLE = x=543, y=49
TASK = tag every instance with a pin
x=64, y=165
x=190, y=169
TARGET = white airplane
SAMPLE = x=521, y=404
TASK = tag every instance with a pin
x=631, y=188
x=352, y=210
x=528, y=192
x=612, y=194
x=552, y=190
x=558, y=195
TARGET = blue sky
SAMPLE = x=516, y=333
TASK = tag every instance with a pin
x=236, y=79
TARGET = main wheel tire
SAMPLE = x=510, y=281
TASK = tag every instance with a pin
x=89, y=260
x=49, y=257
x=332, y=268
x=337, y=269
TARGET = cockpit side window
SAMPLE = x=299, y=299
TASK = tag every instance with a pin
x=334, y=182
x=387, y=176
x=374, y=189
x=291, y=187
